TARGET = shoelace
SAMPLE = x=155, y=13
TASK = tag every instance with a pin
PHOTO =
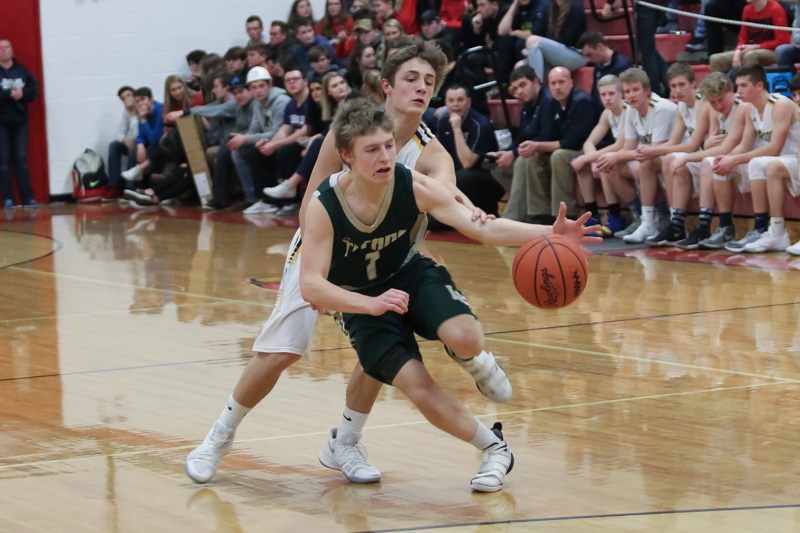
x=356, y=454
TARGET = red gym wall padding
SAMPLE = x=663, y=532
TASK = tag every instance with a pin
x=20, y=24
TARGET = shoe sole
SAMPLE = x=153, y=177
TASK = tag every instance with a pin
x=482, y=488
x=193, y=478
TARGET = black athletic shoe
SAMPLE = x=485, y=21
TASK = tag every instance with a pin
x=669, y=236
x=692, y=241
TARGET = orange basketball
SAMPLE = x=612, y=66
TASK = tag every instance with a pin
x=550, y=271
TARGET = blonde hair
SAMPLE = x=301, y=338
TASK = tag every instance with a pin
x=635, y=75
x=169, y=103
x=372, y=86
x=610, y=79
x=715, y=84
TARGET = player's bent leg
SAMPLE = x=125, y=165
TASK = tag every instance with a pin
x=463, y=338
x=343, y=451
x=447, y=414
x=258, y=379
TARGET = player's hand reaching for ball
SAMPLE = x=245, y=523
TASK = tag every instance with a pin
x=391, y=300
x=574, y=229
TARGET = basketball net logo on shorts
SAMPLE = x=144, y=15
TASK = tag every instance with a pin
x=376, y=244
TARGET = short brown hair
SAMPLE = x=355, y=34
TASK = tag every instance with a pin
x=680, y=69
x=356, y=118
x=418, y=49
x=635, y=75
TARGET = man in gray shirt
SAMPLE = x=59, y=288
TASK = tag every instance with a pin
x=124, y=144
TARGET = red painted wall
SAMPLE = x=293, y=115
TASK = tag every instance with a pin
x=20, y=24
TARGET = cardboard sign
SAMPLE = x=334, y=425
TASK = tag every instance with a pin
x=194, y=143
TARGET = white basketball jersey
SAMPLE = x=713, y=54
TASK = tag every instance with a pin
x=689, y=115
x=764, y=126
x=615, y=122
x=726, y=122
x=656, y=126
x=409, y=154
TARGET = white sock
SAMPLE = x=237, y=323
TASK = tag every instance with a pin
x=776, y=224
x=352, y=420
x=648, y=215
x=233, y=413
x=484, y=437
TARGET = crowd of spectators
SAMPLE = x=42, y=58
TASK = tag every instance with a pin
x=267, y=105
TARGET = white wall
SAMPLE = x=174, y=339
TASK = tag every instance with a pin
x=93, y=47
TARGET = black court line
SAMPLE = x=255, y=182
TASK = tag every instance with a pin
x=585, y=517
x=238, y=358
x=59, y=246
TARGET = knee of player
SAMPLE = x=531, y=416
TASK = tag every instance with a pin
x=277, y=362
x=465, y=341
x=776, y=171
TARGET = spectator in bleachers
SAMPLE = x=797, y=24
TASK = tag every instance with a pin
x=715, y=31
x=480, y=28
x=193, y=59
x=257, y=55
x=567, y=120
x=362, y=59
x=319, y=58
x=523, y=19
x=368, y=33
x=335, y=91
x=124, y=144
x=280, y=39
x=255, y=30
x=235, y=60
x=267, y=118
x=645, y=31
x=756, y=45
x=603, y=59
x=178, y=97
x=566, y=23
x=306, y=40
x=151, y=129
x=385, y=9
x=615, y=186
x=336, y=25
x=371, y=88
x=786, y=55
x=392, y=30
x=300, y=10
x=212, y=66
x=221, y=114
x=224, y=163
x=468, y=136
x=431, y=27
x=534, y=98
x=281, y=154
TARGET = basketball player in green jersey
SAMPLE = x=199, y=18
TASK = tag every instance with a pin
x=410, y=75
x=359, y=259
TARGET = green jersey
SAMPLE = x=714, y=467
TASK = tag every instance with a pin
x=364, y=256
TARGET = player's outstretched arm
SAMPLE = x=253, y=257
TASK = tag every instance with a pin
x=314, y=284
x=435, y=199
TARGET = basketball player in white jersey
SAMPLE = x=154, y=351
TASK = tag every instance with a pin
x=726, y=119
x=648, y=123
x=771, y=129
x=688, y=134
x=614, y=186
x=410, y=75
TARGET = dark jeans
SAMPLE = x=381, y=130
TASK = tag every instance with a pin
x=176, y=183
x=652, y=62
x=310, y=159
x=727, y=9
x=268, y=170
x=14, y=148
x=116, y=151
x=480, y=187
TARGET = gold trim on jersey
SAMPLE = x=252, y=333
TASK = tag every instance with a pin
x=360, y=226
x=423, y=135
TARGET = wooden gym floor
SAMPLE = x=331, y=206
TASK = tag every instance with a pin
x=667, y=398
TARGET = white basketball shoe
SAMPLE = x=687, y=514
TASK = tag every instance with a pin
x=203, y=461
x=344, y=452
